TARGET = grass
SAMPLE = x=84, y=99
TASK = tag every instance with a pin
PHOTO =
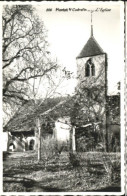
x=23, y=173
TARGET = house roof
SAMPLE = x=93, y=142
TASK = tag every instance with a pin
x=24, y=118
x=91, y=48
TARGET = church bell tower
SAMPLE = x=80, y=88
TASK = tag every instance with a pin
x=92, y=64
x=92, y=81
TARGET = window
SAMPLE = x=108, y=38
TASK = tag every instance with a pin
x=93, y=69
x=11, y=147
x=89, y=68
x=31, y=145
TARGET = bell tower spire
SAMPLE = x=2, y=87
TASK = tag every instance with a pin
x=91, y=25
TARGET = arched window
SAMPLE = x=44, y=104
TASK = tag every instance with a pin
x=87, y=69
x=93, y=69
x=31, y=145
x=11, y=147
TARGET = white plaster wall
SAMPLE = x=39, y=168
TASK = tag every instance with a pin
x=4, y=140
x=17, y=143
x=62, y=130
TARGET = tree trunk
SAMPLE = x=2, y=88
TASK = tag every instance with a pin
x=107, y=140
x=39, y=139
x=73, y=139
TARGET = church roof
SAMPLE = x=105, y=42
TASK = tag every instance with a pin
x=91, y=48
x=51, y=108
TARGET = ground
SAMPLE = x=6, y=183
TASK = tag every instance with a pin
x=23, y=173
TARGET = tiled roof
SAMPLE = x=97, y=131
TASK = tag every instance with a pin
x=24, y=118
x=91, y=48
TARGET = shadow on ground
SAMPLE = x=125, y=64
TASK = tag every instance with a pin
x=108, y=189
x=23, y=173
x=29, y=185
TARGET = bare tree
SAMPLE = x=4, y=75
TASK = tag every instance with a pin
x=27, y=65
x=25, y=54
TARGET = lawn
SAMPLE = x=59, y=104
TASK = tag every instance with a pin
x=23, y=173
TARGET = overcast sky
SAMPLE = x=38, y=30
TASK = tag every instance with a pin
x=68, y=31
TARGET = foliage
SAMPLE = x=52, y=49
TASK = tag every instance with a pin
x=89, y=103
x=49, y=149
x=87, y=139
x=110, y=166
x=88, y=107
x=74, y=159
x=93, y=106
x=85, y=144
x=113, y=109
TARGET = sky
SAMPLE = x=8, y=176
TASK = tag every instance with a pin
x=69, y=30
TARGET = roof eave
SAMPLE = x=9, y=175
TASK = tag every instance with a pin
x=78, y=57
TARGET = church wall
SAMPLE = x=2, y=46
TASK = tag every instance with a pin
x=4, y=137
x=96, y=84
x=95, y=107
x=20, y=144
x=99, y=78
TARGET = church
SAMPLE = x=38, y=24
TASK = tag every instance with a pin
x=93, y=114
x=93, y=104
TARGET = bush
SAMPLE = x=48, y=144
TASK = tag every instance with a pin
x=110, y=166
x=49, y=149
x=74, y=159
x=81, y=144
